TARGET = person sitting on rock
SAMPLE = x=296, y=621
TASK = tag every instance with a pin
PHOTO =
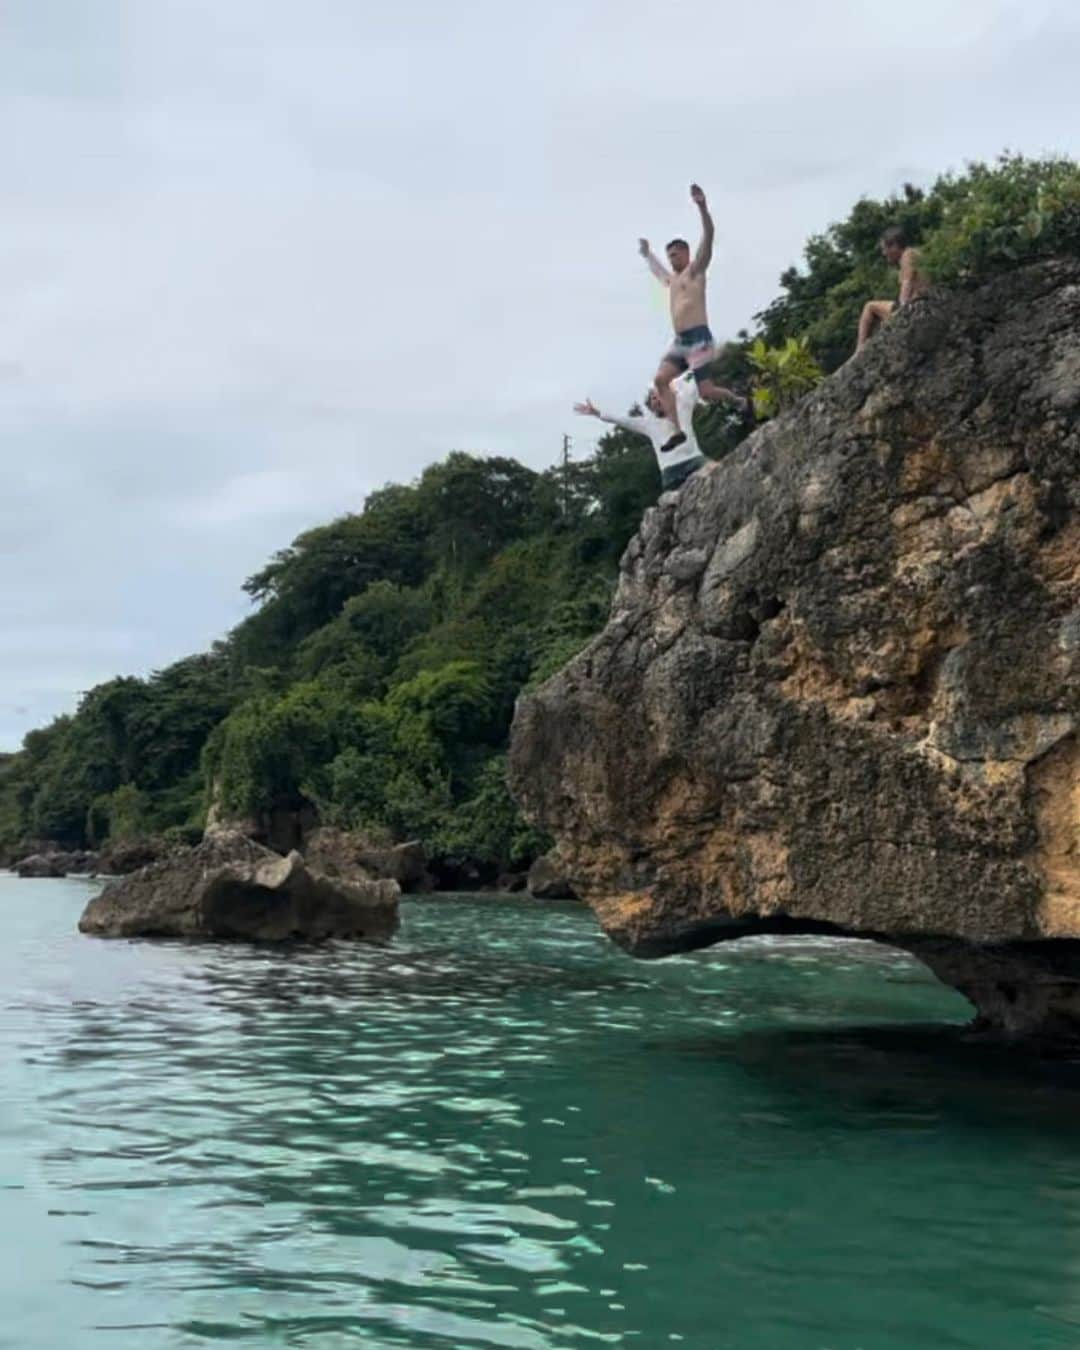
x=897, y=252
x=677, y=465
x=693, y=348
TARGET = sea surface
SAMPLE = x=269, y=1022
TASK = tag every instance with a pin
x=502, y=1132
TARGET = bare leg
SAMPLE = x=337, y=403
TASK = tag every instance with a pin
x=668, y=371
x=874, y=314
x=712, y=392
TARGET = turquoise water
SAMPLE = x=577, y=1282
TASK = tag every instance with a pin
x=503, y=1133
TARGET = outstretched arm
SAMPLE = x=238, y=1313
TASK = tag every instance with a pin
x=703, y=256
x=656, y=267
x=589, y=409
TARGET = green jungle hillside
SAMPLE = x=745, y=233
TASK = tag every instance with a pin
x=374, y=680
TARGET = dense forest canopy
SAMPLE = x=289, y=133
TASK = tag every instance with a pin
x=375, y=678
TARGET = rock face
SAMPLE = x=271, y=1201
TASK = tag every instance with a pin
x=82, y=863
x=230, y=887
x=119, y=860
x=41, y=865
x=54, y=862
x=548, y=879
x=341, y=853
x=283, y=826
x=839, y=689
x=404, y=863
x=337, y=853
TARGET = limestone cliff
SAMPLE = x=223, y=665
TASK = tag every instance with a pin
x=840, y=684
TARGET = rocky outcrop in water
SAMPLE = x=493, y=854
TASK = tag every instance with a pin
x=840, y=684
x=55, y=862
x=342, y=853
x=231, y=887
x=40, y=865
x=548, y=879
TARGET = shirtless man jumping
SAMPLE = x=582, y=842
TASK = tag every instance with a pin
x=693, y=347
x=897, y=253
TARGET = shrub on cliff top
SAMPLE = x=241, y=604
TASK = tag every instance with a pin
x=995, y=218
x=988, y=219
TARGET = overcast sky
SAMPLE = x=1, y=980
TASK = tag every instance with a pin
x=258, y=257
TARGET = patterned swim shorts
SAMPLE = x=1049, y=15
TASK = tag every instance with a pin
x=675, y=475
x=693, y=349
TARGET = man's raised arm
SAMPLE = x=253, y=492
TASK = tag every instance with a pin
x=703, y=256
x=589, y=409
x=656, y=267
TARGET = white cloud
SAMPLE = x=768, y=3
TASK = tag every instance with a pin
x=258, y=258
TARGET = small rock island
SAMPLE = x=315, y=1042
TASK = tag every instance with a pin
x=230, y=887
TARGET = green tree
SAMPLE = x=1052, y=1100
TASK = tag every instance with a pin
x=782, y=375
x=489, y=826
x=473, y=507
x=305, y=585
x=995, y=217
x=119, y=816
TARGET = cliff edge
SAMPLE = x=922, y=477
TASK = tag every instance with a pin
x=839, y=688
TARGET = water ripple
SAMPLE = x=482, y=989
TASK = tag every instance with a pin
x=502, y=1132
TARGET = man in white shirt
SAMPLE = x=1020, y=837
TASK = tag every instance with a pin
x=676, y=465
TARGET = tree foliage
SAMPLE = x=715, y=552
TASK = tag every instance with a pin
x=968, y=225
x=375, y=679
x=781, y=375
x=996, y=217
